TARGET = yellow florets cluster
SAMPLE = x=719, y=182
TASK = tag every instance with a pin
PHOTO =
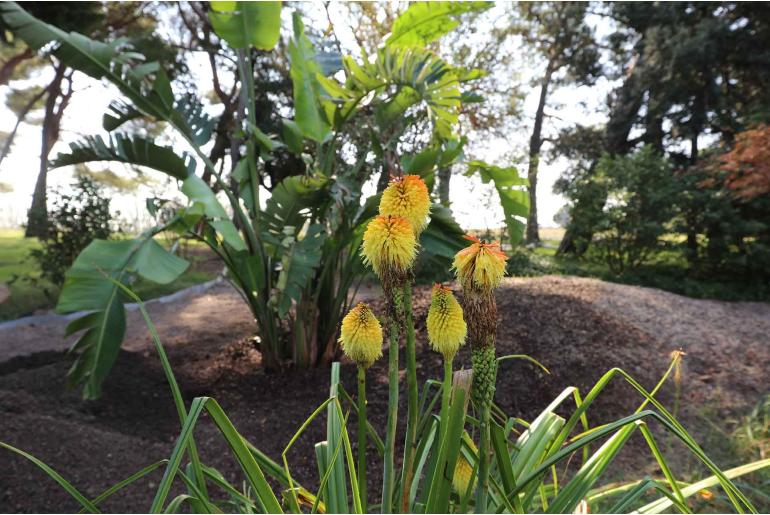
x=389, y=245
x=480, y=265
x=463, y=472
x=361, y=335
x=407, y=197
x=446, y=327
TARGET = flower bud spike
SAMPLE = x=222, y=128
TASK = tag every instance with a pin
x=446, y=327
x=480, y=266
x=408, y=197
x=390, y=248
x=361, y=336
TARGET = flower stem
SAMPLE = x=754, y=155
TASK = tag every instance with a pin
x=362, y=436
x=410, y=441
x=483, y=483
x=395, y=309
x=446, y=392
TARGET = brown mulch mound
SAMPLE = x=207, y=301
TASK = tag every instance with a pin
x=577, y=328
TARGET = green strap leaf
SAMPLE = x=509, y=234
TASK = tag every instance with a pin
x=235, y=441
x=87, y=505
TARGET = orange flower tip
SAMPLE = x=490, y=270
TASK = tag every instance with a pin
x=480, y=265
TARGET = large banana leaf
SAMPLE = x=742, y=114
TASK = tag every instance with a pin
x=307, y=99
x=301, y=258
x=118, y=113
x=425, y=22
x=201, y=194
x=512, y=192
x=144, y=83
x=137, y=150
x=418, y=76
x=443, y=237
x=88, y=287
x=123, y=148
x=247, y=23
x=292, y=201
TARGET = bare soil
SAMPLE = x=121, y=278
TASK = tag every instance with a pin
x=578, y=328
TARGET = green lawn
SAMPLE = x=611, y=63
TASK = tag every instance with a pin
x=16, y=268
x=668, y=270
x=14, y=265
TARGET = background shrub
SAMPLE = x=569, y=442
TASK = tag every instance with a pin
x=641, y=195
x=74, y=221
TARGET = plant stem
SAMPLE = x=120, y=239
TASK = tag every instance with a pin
x=395, y=308
x=483, y=485
x=446, y=391
x=362, y=436
x=410, y=441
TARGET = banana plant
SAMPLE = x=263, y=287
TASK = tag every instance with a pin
x=292, y=256
x=511, y=189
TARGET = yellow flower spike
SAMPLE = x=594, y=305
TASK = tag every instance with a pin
x=408, y=197
x=446, y=326
x=361, y=335
x=389, y=245
x=480, y=265
x=463, y=471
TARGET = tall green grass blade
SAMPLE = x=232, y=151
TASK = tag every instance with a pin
x=624, y=503
x=321, y=452
x=336, y=489
x=198, y=501
x=324, y=458
x=574, y=492
x=525, y=358
x=425, y=443
x=321, y=457
x=87, y=505
x=215, y=477
x=370, y=431
x=661, y=505
x=441, y=486
x=503, y=460
x=177, y=502
x=663, y=465
x=350, y=459
x=247, y=462
x=176, y=393
x=130, y=479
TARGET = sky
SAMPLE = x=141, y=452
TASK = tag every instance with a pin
x=474, y=205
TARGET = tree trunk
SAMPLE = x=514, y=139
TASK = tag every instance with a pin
x=622, y=117
x=19, y=120
x=37, y=216
x=7, y=69
x=444, y=175
x=535, y=144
